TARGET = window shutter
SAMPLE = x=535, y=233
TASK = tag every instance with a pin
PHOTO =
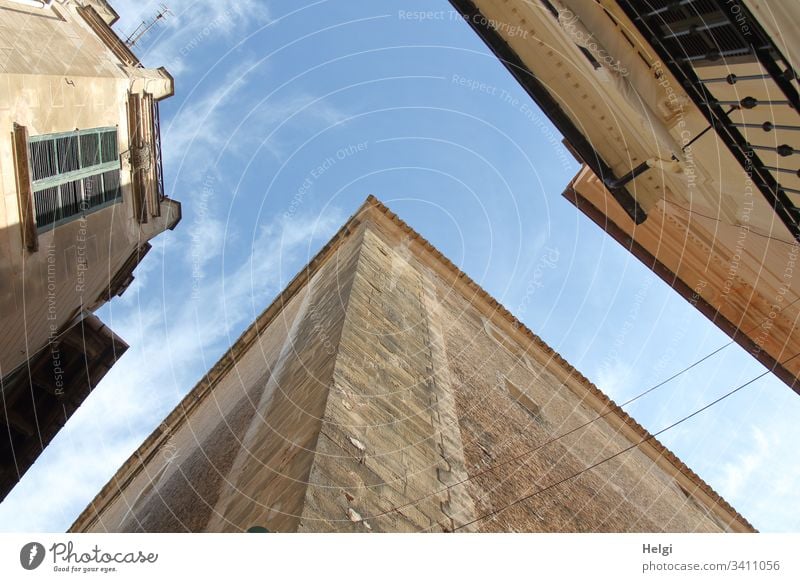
x=73, y=173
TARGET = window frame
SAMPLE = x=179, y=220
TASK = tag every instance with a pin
x=523, y=399
x=75, y=176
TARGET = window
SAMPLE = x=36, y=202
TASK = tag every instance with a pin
x=511, y=346
x=525, y=401
x=73, y=173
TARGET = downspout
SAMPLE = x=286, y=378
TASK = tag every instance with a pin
x=672, y=166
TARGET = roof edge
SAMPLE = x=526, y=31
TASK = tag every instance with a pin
x=575, y=379
x=671, y=278
x=130, y=468
x=656, y=450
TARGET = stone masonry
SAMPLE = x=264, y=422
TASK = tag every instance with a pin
x=383, y=390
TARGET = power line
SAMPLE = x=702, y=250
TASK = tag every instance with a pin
x=623, y=451
x=615, y=408
x=719, y=220
x=532, y=450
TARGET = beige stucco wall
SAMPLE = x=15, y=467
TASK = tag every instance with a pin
x=56, y=75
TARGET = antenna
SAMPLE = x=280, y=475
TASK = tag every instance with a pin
x=146, y=26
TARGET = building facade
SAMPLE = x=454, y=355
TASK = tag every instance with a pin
x=685, y=116
x=383, y=390
x=80, y=172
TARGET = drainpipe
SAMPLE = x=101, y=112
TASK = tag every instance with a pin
x=672, y=166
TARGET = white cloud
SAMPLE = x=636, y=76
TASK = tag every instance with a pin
x=190, y=25
x=203, y=127
x=229, y=120
x=280, y=247
x=616, y=379
x=737, y=474
x=200, y=125
x=219, y=116
x=207, y=236
x=759, y=479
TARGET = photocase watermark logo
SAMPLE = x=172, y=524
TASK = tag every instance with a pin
x=67, y=558
x=583, y=38
x=31, y=555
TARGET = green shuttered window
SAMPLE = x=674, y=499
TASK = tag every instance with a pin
x=73, y=173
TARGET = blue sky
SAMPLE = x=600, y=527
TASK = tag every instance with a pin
x=286, y=116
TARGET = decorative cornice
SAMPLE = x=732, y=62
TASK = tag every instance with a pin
x=108, y=36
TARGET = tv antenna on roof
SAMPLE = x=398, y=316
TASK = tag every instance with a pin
x=146, y=26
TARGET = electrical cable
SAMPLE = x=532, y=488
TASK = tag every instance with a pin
x=749, y=229
x=623, y=451
x=611, y=409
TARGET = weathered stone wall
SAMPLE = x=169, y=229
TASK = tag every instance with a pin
x=242, y=456
x=383, y=443
x=57, y=75
x=385, y=397
x=508, y=404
